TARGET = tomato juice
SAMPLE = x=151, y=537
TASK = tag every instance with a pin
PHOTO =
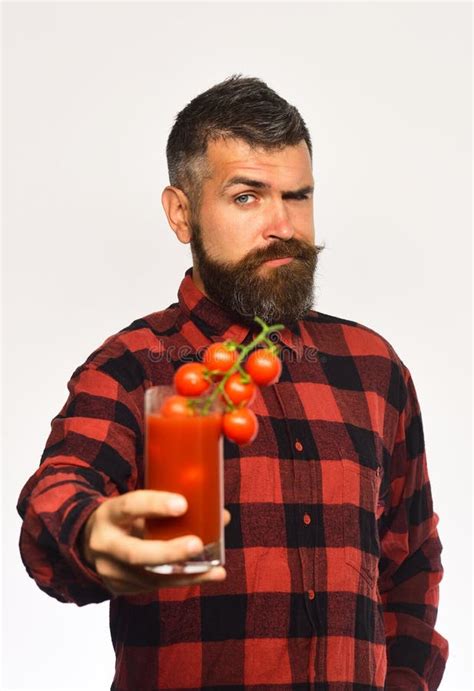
x=184, y=455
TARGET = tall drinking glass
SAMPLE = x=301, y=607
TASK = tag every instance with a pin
x=185, y=455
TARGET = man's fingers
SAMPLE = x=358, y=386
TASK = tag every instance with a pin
x=138, y=527
x=107, y=538
x=145, y=502
x=140, y=503
x=121, y=579
x=137, y=552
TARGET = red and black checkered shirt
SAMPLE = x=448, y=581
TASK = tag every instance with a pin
x=332, y=555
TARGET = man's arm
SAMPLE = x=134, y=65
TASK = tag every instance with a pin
x=82, y=512
x=410, y=564
x=90, y=455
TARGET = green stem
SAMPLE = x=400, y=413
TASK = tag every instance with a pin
x=229, y=402
x=244, y=351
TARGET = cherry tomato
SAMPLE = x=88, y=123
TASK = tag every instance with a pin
x=263, y=366
x=239, y=391
x=217, y=356
x=189, y=379
x=240, y=425
x=176, y=406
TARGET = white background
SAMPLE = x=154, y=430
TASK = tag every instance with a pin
x=90, y=94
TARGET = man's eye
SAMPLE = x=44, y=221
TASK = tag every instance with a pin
x=241, y=196
x=297, y=197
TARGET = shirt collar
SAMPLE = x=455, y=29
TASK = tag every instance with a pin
x=219, y=324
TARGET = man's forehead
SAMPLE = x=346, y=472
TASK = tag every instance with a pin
x=229, y=159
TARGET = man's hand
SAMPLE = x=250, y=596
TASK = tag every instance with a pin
x=111, y=543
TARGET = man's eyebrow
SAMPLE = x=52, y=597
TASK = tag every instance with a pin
x=260, y=184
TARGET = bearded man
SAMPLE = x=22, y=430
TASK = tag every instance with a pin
x=332, y=551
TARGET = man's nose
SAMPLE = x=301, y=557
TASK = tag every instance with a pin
x=279, y=224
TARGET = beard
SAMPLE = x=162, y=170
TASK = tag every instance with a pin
x=276, y=294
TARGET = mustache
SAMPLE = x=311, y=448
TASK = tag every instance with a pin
x=280, y=250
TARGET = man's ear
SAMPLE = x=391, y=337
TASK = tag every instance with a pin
x=177, y=210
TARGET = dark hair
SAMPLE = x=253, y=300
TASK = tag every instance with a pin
x=239, y=107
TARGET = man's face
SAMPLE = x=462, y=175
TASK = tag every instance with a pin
x=253, y=243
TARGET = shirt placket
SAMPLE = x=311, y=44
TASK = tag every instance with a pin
x=303, y=484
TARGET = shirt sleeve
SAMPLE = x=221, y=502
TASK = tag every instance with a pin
x=410, y=568
x=90, y=455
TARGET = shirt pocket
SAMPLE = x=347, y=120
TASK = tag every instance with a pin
x=360, y=502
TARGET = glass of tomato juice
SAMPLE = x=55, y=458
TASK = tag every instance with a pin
x=184, y=454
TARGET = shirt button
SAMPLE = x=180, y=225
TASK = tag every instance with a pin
x=311, y=594
x=298, y=446
x=307, y=519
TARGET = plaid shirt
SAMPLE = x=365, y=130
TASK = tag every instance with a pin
x=332, y=554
